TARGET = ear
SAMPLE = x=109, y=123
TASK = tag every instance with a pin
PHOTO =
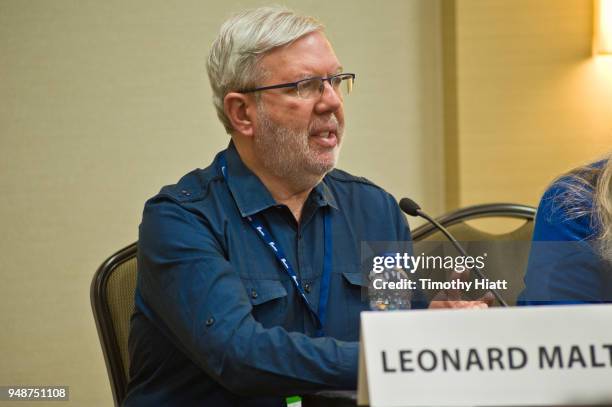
x=240, y=110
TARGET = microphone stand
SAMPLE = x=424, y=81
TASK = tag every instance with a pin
x=413, y=209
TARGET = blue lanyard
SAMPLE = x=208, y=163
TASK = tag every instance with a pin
x=268, y=239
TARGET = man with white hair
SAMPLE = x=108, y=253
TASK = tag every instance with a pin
x=249, y=283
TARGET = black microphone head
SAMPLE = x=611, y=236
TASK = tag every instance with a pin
x=409, y=206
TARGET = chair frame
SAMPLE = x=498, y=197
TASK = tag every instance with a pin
x=104, y=321
x=509, y=210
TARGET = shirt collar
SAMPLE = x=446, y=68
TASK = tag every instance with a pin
x=325, y=195
x=252, y=196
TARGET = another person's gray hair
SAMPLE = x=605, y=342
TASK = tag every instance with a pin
x=603, y=208
x=233, y=62
x=589, y=193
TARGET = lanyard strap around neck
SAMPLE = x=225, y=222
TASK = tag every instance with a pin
x=277, y=250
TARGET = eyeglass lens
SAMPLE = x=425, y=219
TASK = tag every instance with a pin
x=342, y=84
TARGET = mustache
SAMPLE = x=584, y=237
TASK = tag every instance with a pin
x=332, y=122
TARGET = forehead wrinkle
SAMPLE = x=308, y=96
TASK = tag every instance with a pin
x=312, y=73
x=299, y=60
x=303, y=70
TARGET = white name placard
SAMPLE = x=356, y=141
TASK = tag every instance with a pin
x=548, y=355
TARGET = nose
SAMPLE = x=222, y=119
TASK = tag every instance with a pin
x=330, y=101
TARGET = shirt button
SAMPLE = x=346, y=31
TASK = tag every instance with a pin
x=307, y=287
x=210, y=321
x=185, y=192
x=253, y=294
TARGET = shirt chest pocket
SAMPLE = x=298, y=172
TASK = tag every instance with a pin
x=269, y=300
x=351, y=297
x=356, y=286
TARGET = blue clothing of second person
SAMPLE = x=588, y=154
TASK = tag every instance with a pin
x=218, y=322
x=564, y=264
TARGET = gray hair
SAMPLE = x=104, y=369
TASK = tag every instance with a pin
x=603, y=207
x=233, y=62
x=589, y=193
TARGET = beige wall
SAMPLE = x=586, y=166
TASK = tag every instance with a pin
x=103, y=102
x=527, y=100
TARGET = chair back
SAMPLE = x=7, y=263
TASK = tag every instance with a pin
x=112, y=301
x=507, y=252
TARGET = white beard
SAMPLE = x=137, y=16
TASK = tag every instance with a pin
x=286, y=153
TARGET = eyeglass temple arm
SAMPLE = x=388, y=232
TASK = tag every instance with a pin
x=284, y=85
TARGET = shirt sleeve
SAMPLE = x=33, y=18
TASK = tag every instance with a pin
x=191, y=292
x=564, y=266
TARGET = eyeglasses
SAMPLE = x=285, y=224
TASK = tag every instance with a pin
x=311, y=88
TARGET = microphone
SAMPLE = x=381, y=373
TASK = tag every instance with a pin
x=413, y=209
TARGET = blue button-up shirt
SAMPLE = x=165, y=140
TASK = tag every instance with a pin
x=218, y=321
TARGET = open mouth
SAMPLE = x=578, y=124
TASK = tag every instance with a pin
x=326, y=139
